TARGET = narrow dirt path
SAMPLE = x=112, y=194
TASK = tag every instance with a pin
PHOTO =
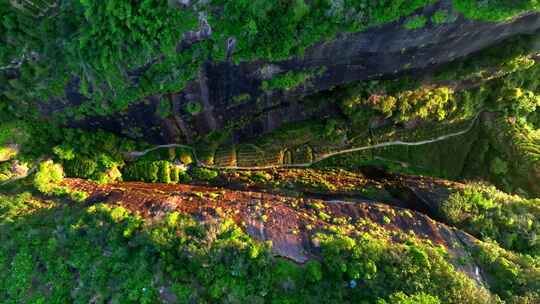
x=136, y=154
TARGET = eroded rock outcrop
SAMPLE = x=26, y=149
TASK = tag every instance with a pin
x=232, y=93
x=290, y=223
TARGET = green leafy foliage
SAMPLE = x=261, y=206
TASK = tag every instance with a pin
x=287, y=81
x=279, y=30
x=80, y=253
x=164, y=108
x=420, y=103
x=513, y=276
x=203, y=174
x=415, y=22
x=495, y=10
x=418, y=298
x=441, y=17
x=97, y=155
x=48, y=177
x=194, y=108
x=83, y=168
x=154, y=171
x=145, y=170
x=123, y=51
x=493, y=215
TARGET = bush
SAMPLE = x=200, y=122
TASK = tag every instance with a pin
x=494, y=10
x=175, y=173
x=498, y=166
x=48, y=177
x=203, y=174
x=415, y=22
x=440, y=17
x=417, y=298
x=164, y=108
x=64, y=152
x=194, y=108
x=378, y=269
x=5, y=171
x=513, y=276
x=164, y=171
x=314, y=271
x=488, y=213
x=142, y=170
x=185, y=156
x=287, y=81
x=420, y=103
x=153, y=171
x=80, y=167
x=78, y=196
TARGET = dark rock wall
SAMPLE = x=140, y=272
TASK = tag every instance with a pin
x=381, y=52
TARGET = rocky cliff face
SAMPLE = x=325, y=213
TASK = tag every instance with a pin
x=232, y=97
x=283, y=220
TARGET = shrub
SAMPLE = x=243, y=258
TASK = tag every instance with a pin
x=494, y=10
x=489, y=213
x=80, y=167
x=287, y=81
x=498, y=166
x=8, y=152
x=314, y=271
x=203, y=174
x=5, y=171
x=111, y=175
x=440, y=17
x=364, y=263
x=164, y=171
x=48, y=177
x=164, y=108
x=513, y=276
x=175, y=173
x=185, y=156
x=417, y=298
x=78, y=196
x=415, y=22
x=423, y=102
x=64, y=152
x=194, y=108
x=143, y=170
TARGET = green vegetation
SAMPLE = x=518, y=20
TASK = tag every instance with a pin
x=513, y=276
x=101, y=47
x=441, y=17
x=279, y=30
x=402, y=298
x=203, y=174
x=240, y=99
x=495, y=10
x=108, y=55
x=194, y=108
x=147, y=171
x=117, y=66
x=48, y=177
x=120, y=55
x=489, y=214
x=108, y=253
x=164, y=108
x=421, y=103
x=415, y=22
x=97, y=156
x=290, y=80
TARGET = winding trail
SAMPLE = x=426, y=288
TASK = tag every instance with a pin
x=136, y=154
x=29, y=172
